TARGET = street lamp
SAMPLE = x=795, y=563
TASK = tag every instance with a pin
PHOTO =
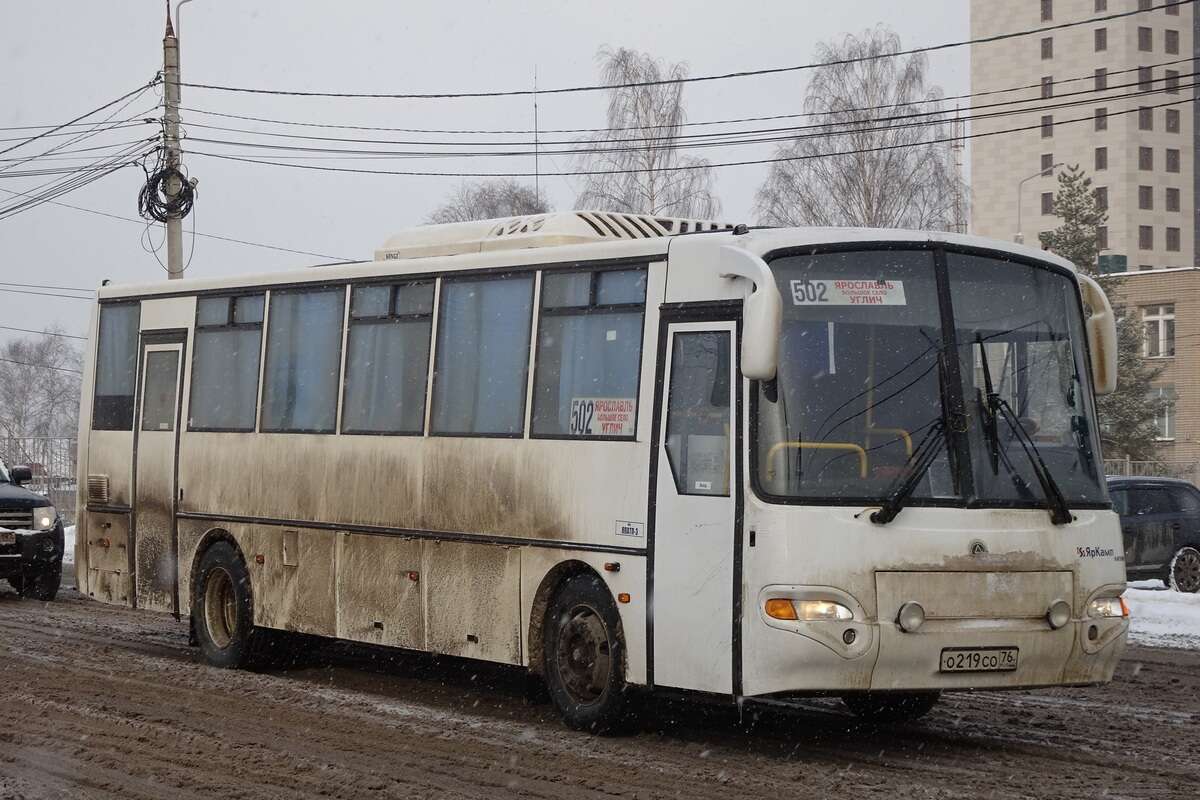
x=1020, y=237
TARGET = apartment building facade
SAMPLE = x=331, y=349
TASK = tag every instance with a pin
x=1113, y=96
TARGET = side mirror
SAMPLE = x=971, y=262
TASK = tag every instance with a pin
x=20, y=475
x=762, y=312
x=1102, y=335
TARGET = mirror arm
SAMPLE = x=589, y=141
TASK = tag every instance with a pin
x=762, y=312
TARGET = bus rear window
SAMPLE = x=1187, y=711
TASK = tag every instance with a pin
x=116, y=367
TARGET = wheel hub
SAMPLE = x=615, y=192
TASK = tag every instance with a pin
x=583, y=655
x=220, y=608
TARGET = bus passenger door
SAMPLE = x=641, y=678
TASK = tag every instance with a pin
x=692, y=610
x=157, y=435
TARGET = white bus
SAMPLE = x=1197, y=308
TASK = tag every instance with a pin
x=623, y=451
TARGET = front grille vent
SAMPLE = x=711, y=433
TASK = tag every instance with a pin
x=17, y=520
x=97, y=486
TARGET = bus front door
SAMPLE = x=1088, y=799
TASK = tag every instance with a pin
x=157, y=436
x=692, y=610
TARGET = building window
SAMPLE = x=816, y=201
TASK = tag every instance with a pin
x=1047, y=126
x=1100, y=76
x=1145, y=118
x=1101, y=39
x=1102, y=237
x=387, y=358
x=1172, y=199
x=1102, y=119
x=1048, y=86
x=1164, y=421
x=1145, y=158
x=1145, y=39
x=1172, y=81
x=1047, y=10
x=116, y=367
x=1047, y=47
x=1101, y=158
x=1144, y=5
x=1171, y=42
x=1172, y=120
x=1172, y=8
x=1145, y=237
x=1101, y=195
x=1047, y=164
x=1047, y=202
x=482, y=356
x=1173, y=240
x=1145, y=267
x=589, y=353
x=225, y=363
x=1146, y=198
x=1145, y=78
x=1101, y=5
x=1172, y=160
x=304, y=356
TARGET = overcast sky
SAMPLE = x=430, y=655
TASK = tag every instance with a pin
x=60, y=59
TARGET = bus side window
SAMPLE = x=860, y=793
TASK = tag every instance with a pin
x=698, y=413
x=116, y=367
x=588, y=354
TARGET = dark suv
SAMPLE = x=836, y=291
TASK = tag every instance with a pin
x=31, y=537
x=1160, y=523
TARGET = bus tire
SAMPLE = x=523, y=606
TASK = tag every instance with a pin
x=888, y=707
x=223, y=608
x=584, y=656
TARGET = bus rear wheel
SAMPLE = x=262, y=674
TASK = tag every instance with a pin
x=891, y=706
x=222, y=608
x=584, y=656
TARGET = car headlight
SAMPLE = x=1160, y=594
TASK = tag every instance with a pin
x=44, y=517
x=1108, y=607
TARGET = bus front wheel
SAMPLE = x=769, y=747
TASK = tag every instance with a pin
x=891, y=706
x=222, y=608
x=584, y=656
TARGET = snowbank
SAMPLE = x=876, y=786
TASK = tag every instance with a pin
x=69, y=544
x=1161, y=617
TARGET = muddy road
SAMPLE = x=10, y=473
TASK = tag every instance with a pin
x=97, y=702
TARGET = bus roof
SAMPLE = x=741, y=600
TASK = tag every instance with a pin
x=562, y=238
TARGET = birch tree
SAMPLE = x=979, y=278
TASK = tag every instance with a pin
x=489, y=200
x=39, y=387
x=866, y=161
x=640, y=166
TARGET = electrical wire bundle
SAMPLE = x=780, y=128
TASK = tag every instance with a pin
x=156, y=203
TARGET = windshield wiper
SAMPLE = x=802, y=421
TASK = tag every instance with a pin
x=1056, y=503
x=914, y=469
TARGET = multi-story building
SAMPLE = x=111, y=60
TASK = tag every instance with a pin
x=1114, y=96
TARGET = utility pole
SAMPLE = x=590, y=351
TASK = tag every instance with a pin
x=173, y=186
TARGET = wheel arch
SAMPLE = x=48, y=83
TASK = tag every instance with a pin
x=558, y=575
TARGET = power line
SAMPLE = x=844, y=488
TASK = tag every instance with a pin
x=110, y=103
x=202, y=235
x=129, y=122
x=750, y=137
x=695, y=79
x=742, y=163
x=43, y=333
x=41, y=366
x=732, y=121
x=46, y=286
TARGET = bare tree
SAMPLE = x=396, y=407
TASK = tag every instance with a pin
x=39, y=387
x=868, y=161
x=643, y=168
x=489, y=200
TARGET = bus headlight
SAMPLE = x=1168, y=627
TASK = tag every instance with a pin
x=806, y=610
x=911, y=616
x=1059, y=614
x=1108, y=607
x=43, y=518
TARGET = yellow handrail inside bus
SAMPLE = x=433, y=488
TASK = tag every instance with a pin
x=903, y=434
x=849, y=447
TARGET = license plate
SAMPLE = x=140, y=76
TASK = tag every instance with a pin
x=979, y=659
x=8, y=537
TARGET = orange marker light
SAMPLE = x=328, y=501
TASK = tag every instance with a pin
x=1124, y=607
x=623, y=597
x=260, y=559
x=780, y=608
x=414, y=576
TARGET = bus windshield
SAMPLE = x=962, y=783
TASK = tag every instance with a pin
x=871, y=364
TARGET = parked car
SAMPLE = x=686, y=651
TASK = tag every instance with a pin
x=1160, y=522
x=31, y=537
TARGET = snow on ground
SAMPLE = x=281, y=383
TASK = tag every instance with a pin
x=1161, y=617
x=69, y=544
